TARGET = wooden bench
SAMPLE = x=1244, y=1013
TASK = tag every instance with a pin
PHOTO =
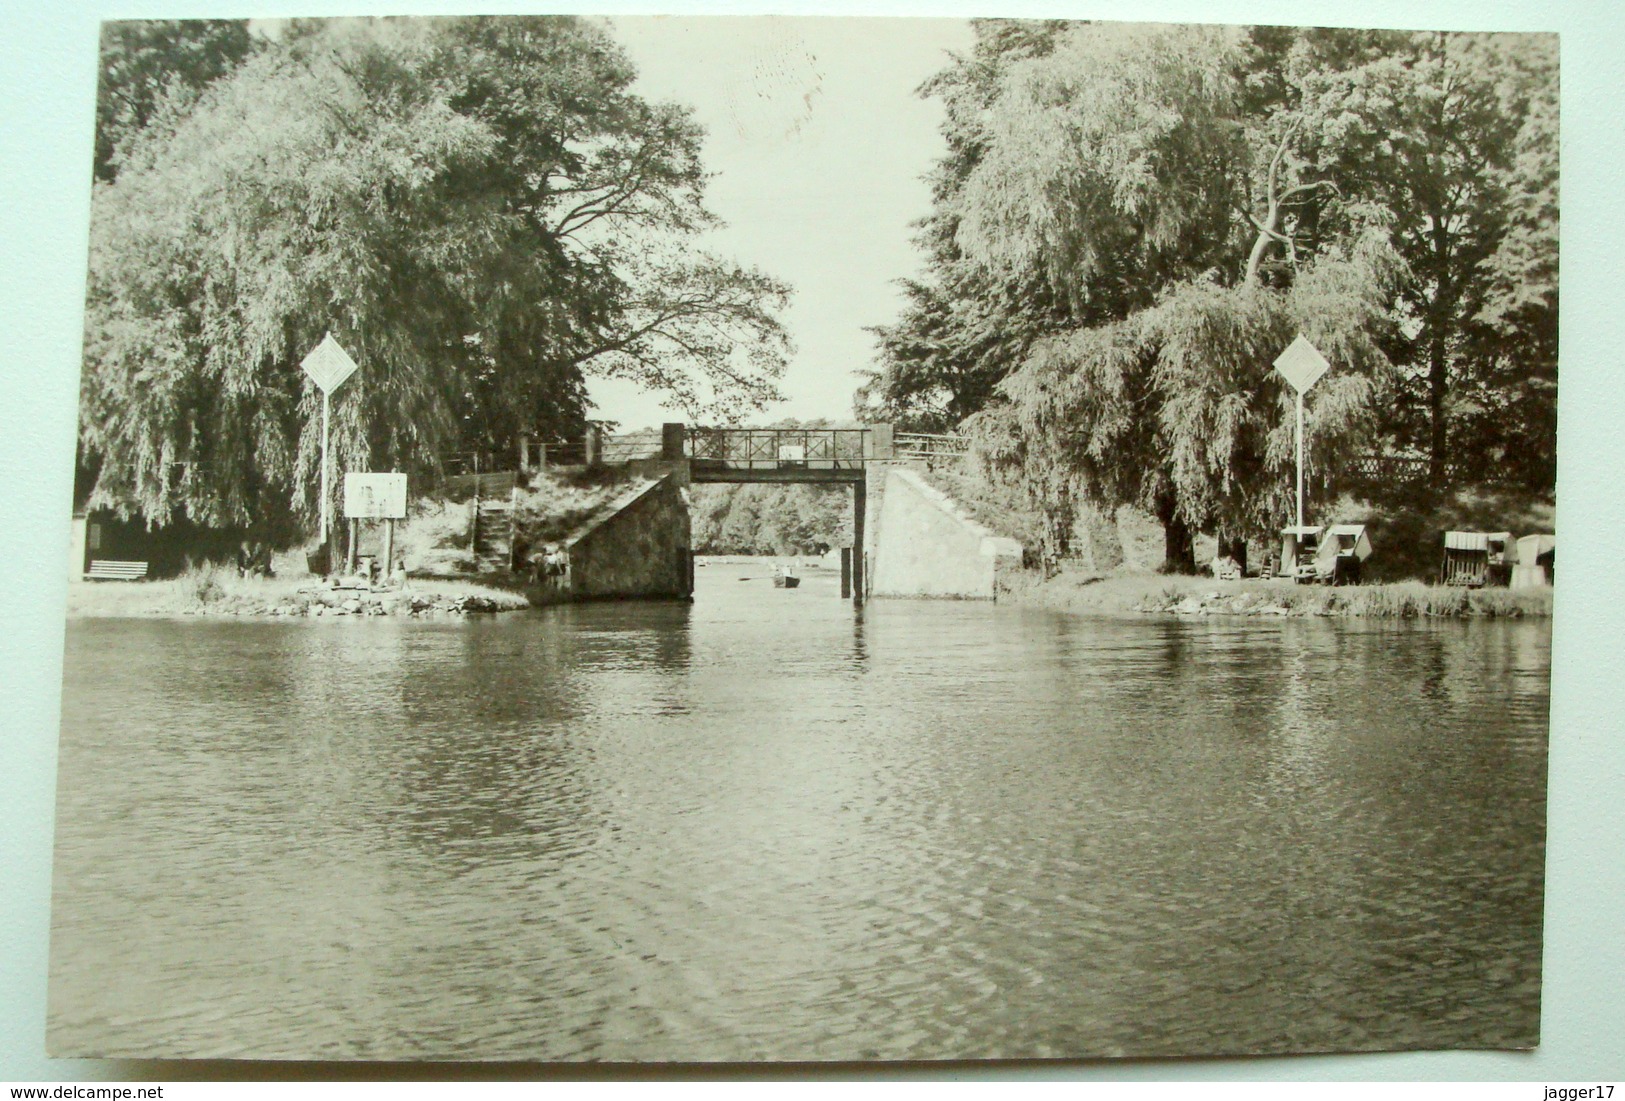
x=104, y=569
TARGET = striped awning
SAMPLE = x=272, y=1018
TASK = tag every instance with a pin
x=1476, y=540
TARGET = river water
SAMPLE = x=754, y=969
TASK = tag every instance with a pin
x=767, y=826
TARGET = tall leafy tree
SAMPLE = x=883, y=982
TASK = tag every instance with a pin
x=1453, y=137
x=150, y=65
x=1187, y=198
x=1123, y=164
x=963, y=328
x=1513, y=336
x=1171, y=409
x=479, y=209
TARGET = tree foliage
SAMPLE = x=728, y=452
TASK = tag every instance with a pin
x=1187, y=383
x=479, y=210
x=1453, y=137
x=962, y=330
x=1149, y=214
x=158, y=64
x=771, y=519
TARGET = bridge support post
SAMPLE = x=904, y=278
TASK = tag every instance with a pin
x=672, y=436
x=846, y=572
x=879, y=441
x=860, y=504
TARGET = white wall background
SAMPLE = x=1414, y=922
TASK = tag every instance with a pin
x=47, y=74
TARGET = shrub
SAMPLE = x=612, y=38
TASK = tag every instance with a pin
x=434, y=539
x=203, y=585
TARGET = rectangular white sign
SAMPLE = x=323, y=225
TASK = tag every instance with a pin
x=375, y=496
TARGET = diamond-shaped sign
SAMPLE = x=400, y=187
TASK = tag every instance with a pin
x=328, y=365
x=1301, y=364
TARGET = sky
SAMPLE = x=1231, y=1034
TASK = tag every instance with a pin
x=819, y=146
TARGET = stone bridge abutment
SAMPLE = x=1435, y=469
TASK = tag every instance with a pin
x=910, y=539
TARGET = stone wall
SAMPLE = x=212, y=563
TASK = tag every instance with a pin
x=638, y=546
x=922, y=544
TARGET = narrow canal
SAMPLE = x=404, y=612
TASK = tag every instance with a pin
x=767, y=826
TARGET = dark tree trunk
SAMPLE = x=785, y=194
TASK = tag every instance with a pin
x=1438, y=390
x=1178, y=547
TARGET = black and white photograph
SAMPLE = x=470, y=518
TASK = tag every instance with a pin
x=771, y=539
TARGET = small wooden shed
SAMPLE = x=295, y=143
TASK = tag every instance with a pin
x=1477, y=558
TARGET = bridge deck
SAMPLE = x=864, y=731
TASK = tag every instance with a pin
x=702, y=470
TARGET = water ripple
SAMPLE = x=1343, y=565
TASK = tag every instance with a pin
x=765, y=827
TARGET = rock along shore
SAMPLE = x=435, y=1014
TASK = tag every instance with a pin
x=220, y=595
x=316, y=601
x=1150, y=594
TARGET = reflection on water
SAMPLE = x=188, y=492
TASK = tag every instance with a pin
x=766, y=826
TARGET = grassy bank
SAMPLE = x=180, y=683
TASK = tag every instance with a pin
x=215, y=591
x=1406, y=525
x=550, y=505
x=1140, y=593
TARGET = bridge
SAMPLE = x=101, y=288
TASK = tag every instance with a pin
x=703, y=454
x=923, y=542
x=796, y=456
x=680, y=454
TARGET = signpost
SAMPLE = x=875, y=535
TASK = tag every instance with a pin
x=328, y=365
x=1301, y=365
x=375, y=497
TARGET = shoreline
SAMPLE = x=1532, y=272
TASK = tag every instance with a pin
x=220, y=594
x=1131, y=595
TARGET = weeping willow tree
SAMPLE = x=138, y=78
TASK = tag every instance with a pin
x=1173, y=409
x=1112, y=194
x=480, y=210
x=1121, y=165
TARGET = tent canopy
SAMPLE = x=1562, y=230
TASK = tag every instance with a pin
x=1531, y=547
x=1348, y=539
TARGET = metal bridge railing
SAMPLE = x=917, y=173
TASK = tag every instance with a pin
x=778, y=448
x=630, y=446
x=929, y=448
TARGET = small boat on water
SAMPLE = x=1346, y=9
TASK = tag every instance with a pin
x=786, y=581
